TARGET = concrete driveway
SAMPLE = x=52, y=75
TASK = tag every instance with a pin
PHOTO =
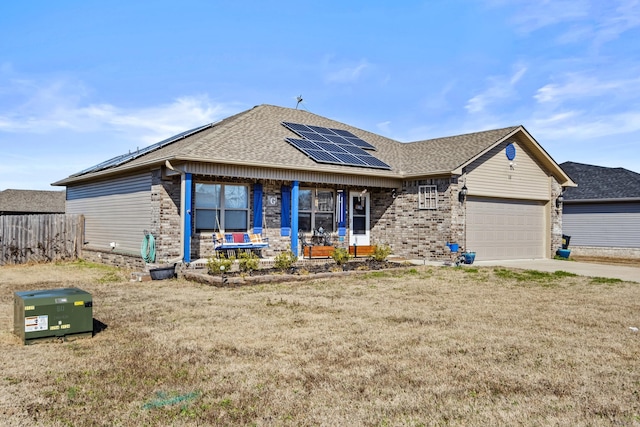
x=627, y=273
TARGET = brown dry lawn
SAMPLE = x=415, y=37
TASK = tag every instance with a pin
x=420, y=346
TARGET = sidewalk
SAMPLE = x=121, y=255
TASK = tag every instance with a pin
x=627, y=273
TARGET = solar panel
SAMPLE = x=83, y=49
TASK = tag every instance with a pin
x=337, y=139
x=296, y=127
x=124, y=158
x=319, y=129
x=350, y=159
x=312, y=136
x=342, y=132
x=303, y=144
x=333, y=146
x=322, y=156
x=328, y=146
x=373, y=162
x=360, y=143
x=353, y=149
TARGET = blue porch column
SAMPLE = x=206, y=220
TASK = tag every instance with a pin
x=188, y=198
x=295, y=191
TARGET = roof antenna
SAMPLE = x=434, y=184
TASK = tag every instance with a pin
x=299, y=99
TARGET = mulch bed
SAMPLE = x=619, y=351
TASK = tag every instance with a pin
x=298, y=273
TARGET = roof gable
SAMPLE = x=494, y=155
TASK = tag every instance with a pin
x=601, y=183
x=450, y=153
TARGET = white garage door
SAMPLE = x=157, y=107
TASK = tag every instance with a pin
x=505, y=229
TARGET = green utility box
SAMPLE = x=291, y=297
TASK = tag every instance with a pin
x=53, y=313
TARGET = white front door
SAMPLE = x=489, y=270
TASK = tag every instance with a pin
x=358, y=219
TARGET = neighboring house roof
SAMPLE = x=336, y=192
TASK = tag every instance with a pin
x=600, y=183
x=32, y=201
x=256, y=137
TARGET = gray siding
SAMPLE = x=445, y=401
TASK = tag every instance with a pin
x=602, y=224
x=115, y=211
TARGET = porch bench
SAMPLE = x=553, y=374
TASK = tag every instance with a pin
x=358, y=251
x=311, y=251
x=239, y=242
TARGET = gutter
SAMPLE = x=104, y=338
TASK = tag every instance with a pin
x=618, y=200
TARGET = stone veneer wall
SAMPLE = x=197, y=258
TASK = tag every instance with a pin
x=114, y=258
x=593, y=251
x=556, y=218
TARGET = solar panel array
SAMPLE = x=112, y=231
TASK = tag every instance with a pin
x=123, y=158
x=333, y=146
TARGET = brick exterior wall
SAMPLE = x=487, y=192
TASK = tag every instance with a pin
x=418, y=233
x=413, y=233
x=165, y=216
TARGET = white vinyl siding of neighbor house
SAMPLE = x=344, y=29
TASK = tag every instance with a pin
x=494, y=175
x=615, y=225
x=117, y=211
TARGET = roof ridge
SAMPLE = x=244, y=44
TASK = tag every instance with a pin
x=467, y=134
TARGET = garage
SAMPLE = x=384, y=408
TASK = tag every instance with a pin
x=505, y=228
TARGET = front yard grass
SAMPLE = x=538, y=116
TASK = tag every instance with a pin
x=416, y=347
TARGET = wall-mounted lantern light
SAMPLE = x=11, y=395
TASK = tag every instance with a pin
x=394, y=193
x=462, y=195
x=559, y=200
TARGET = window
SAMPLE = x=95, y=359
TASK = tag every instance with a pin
x=222, y=207
x=428, y=197
x=316, y=209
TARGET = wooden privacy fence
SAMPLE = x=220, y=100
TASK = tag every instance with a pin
x=39, y=238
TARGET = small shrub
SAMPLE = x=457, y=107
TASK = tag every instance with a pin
x=561, y=273
x=340, y=256
x=248, y=261
x=285, y=260
x=605, y=280
x=219, y=264
x=381, y=252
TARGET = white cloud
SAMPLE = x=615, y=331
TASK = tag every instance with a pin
x=63, y=105
x=594, y=21
x=576, y=86
x=533, y=15
x=500, y=88
x=384, y=127
x=345, y=73
x=621, y=19
x=575, y=126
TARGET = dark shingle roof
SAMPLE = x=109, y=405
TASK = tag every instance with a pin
x=32, y=201
x=256, y=137
x=598, y=182
x=447, y=154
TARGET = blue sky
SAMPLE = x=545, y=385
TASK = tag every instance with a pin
x=84, y=81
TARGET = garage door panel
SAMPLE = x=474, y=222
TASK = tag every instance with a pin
x=505, y=229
